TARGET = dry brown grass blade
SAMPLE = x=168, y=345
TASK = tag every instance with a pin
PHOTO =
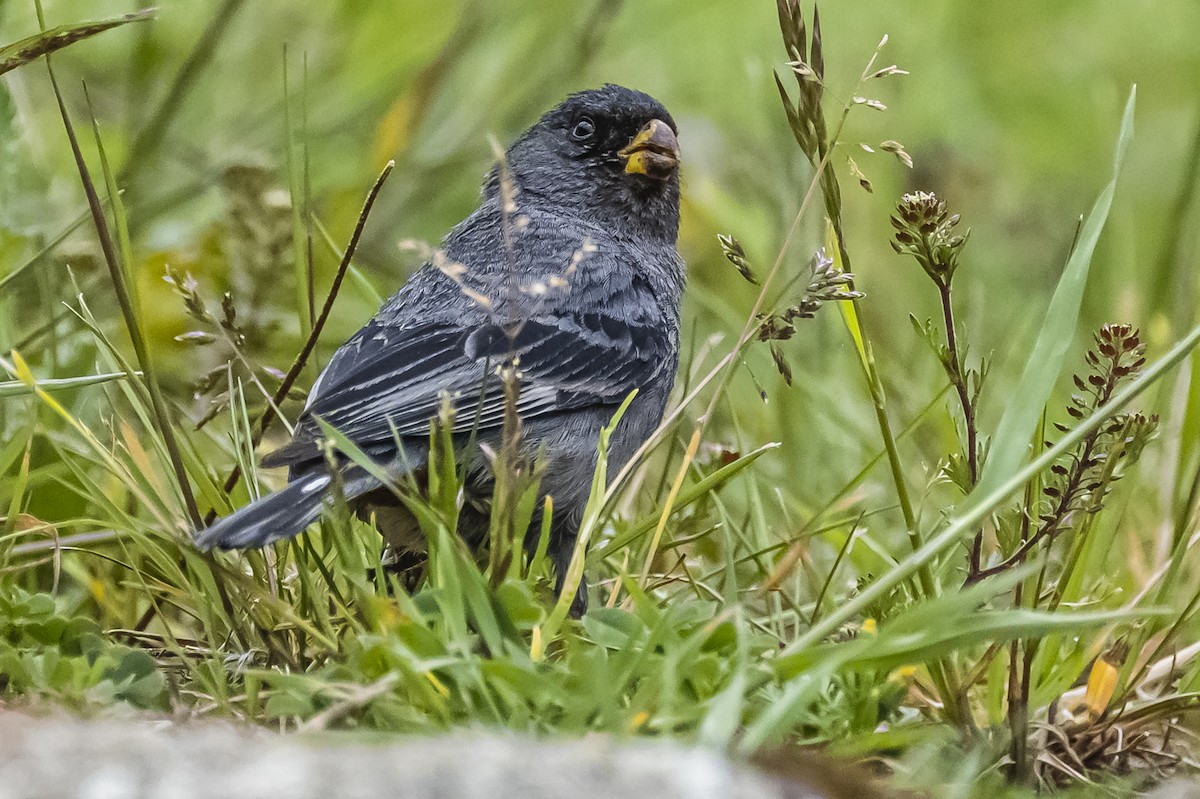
x=34, y=47
x=318, y=325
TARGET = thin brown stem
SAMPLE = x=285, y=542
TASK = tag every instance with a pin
x=269, y=414
x=954, y=369
x=1050, y=526
x=958, y=378
x=128, y=310
x=1101, y=387
x=943, y=672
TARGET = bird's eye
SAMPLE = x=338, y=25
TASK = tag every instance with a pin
x=584, y=129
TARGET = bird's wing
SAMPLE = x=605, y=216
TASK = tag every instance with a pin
x=391, y=380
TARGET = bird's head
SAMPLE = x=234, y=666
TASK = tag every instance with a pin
x=607, y=155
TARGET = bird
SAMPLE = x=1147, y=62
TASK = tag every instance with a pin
x=568, y=273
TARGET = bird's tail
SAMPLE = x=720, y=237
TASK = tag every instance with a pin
x=284, y=514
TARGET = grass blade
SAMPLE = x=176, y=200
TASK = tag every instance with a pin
x=974, y=512
x=16, y=388
x=701, y=488
x=1010, y=445
x=310, y=342
x=124, y=294
x=32, y=48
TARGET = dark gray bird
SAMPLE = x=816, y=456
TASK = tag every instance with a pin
x=569, y=267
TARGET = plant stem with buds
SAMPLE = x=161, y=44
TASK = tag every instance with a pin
x=958, y=379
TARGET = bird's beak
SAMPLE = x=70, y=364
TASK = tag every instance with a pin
x=653, y=152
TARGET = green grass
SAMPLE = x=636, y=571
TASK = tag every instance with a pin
x=958, y=548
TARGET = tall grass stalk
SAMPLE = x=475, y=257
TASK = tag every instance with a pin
x=118, y=271
x=976, y=508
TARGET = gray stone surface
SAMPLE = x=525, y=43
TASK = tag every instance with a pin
x=62, y=758
x=1176, y=789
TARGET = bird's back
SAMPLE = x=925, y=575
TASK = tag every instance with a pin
x=517, y=272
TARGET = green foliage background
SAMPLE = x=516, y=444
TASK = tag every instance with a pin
x=1010, y=113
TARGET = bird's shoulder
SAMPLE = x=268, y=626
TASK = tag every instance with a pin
x=569, y=297
x=535, y=261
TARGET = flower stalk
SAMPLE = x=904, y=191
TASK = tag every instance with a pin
x=806, y=118
x=925, y=230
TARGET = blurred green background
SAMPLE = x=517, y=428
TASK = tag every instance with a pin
x=1010, y=112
